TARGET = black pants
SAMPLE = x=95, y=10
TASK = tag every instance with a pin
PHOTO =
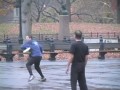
x=78, y=74
x=36, y=61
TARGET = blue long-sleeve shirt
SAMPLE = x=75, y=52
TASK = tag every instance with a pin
x=35, y=48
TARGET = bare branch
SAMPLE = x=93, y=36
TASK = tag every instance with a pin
x=33, y=16
x=39, y=7
x=78, y=15
x=60, y=1
x=50, y=16
x=57, y=11
x=73, y=1
x=9, y=2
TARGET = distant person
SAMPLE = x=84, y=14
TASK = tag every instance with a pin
x=35, y=56
x=78, y=60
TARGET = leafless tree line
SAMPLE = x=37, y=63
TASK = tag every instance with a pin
x=78, y=10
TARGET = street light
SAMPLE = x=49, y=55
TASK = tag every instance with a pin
x=20, y=23
x=18, y=5
x=118, y=11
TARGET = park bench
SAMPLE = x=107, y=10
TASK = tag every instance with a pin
x=65, y=46
x=6, y=51
x=52, y=46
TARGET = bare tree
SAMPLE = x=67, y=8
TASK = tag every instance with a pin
x=68, y=6
x=42, y=8
x=38, y=8
x=82, y=10
x=6, y=13
x=93, y=11
x=50, y=9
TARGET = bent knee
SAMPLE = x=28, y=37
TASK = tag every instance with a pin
x=27, y=65
x=36, y=67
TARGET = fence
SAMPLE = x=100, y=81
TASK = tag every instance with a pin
x=108, y=35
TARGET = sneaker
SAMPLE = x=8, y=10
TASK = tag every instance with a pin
x=31, y=78
x=43, y=79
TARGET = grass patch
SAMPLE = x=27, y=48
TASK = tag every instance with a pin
x=5, y=28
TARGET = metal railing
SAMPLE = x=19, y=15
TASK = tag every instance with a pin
x=108, y=35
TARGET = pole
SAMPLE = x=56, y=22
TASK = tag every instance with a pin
x=118, y=11
x=20, y=24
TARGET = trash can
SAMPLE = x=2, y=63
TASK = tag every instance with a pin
x=52, y=51
x=101, y=54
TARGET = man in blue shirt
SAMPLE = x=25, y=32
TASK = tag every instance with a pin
x=35, y=50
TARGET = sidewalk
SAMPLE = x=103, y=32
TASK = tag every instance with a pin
x=101, y=75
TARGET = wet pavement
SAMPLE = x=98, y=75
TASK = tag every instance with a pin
x=100, y=75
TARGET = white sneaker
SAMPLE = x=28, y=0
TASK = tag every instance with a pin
x=31, y=78
x=43, y=79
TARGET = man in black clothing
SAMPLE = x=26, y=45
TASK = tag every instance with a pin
x=78, y=58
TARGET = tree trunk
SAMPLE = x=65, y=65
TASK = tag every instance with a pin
x=68, y=6
x=38, y=17
x=26, y=18
x=114, y=5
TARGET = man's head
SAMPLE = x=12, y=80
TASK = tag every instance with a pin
x=78, y=34
x=29, y=37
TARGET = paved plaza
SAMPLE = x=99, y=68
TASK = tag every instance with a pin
x=100, y=74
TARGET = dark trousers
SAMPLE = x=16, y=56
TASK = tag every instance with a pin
x=36, y=61
x=78, y=74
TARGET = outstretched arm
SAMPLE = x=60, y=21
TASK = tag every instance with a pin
x=26, y=50
x=25, y=45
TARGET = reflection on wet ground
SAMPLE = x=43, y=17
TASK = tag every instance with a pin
x=101, y=75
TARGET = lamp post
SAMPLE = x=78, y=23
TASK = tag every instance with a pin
x=18, y=5
x=20, y=24
x=118, y=11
